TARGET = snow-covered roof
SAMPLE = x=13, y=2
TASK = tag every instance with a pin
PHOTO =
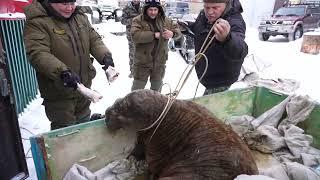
x=12, y=16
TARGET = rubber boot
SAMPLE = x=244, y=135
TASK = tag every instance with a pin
x=138, y=84
x=156, y=85
x=96, y=116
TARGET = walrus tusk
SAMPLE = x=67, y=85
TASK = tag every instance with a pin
x=92, y=95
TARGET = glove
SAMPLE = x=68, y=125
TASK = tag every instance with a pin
x=108, y=61
x=185, y=29
x=183, y=23
x=70, y=79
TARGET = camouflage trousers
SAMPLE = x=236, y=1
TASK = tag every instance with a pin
x=67, y=112
x=142, y=74
x=215, y=90
x=131, y=50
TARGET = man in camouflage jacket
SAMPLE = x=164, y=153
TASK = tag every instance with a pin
x=132, y=10
x=150, y=32
x=59, y=40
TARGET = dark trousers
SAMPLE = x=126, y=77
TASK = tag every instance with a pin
x=67, y=112
x=215, y=90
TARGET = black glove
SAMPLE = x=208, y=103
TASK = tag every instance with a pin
x=70, y=79
x=185, y=29
x=108, y=61
x=96, y=116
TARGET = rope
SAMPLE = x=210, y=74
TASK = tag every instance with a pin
x=26, y=130
x=161, y=115
x=204, y=72
x=26, y=139
x=173, y=95
x=195, y=60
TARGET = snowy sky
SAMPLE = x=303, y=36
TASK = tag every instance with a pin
x=285, y=59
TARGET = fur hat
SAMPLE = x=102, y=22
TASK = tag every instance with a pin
x=60, y=1
x=215, y=1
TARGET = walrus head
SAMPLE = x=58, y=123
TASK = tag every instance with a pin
x=136, y=110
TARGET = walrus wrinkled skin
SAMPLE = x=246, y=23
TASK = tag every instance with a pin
x=190, y=143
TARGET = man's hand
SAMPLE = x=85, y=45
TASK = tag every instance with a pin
x=70, y=79
x=221, y=28
x=182, y=24
x=167, y=34
x=108, y=61
x=157, y=35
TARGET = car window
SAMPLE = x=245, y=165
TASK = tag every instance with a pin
x=182, y=5
x=106, y=8
x=314, y=10
x=290, y=11
x=182, y=8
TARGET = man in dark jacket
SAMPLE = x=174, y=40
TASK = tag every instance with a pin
x=59, y=40
x=227, y=51
x=150, y=33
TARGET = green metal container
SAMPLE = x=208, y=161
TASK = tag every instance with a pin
x=91, y=145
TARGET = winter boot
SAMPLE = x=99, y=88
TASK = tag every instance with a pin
x=96, y=116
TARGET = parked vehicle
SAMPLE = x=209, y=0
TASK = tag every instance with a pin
x=184, y=45
x=94, y=13
x=108, y=11
x=291, y=21
x=10, y=6
x=176, y=10
x=117, y=14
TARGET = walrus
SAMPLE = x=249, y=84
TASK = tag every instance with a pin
x=190, y=142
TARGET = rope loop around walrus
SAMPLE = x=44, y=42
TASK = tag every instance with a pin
x=173, y=95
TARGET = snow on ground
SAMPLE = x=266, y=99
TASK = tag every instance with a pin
x=12, y=16
x=285, y=59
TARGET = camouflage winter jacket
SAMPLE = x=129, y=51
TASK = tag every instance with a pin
x=54, y=44
x=128, y=13
x=151, y=52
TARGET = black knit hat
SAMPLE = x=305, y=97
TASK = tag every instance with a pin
x=60, y=1
x=152, y=3
x=215, y=1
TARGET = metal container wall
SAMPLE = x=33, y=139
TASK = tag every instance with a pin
x=23, y=77
x=12, y=160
